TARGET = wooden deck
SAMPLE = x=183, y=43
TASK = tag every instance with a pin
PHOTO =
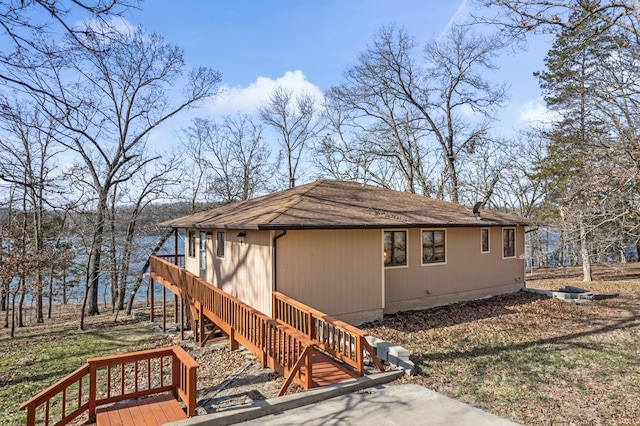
x=327, y=371
x=298, y=342
x=153, y=411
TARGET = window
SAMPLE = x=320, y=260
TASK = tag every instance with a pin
x=192, y=244
x=484, y=240
x=508, y=242
x=395, y=248
x=433, y=247
x=203, y=255
x=220, y=237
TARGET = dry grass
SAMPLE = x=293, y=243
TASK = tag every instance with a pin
x=42, y=354
x=525, y=357
x=533, y=359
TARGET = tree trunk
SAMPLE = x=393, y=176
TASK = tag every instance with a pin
x=163, y=238
x=13, y=314
x=64, y=286
x=39, y=304
x=49, y=307
x=584, y=253
x=93, y=270
x=23, y=293
x=7, y=295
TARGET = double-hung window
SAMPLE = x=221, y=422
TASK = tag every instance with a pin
x=395, y=248
x=508, y=242
x=433, y=247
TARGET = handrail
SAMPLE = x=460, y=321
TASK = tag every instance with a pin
x=341, y=340
x=106, y=384
x=178, y=259
x=279, y=347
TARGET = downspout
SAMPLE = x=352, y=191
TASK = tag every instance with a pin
x=275, y=258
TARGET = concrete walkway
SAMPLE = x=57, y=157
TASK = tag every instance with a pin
x=367, y=401
x=385, y=405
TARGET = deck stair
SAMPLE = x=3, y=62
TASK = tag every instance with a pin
x=314, y=353
x=141, y=388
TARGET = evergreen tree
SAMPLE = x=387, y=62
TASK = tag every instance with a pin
x=570, y=170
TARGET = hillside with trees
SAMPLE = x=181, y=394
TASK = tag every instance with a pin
x=81, y=185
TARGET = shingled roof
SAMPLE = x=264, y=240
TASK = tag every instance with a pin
x=340, y=204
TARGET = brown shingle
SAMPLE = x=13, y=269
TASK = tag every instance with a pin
x=341, y=204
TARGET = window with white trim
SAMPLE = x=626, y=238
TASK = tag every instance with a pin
x=508, y=242
x=395, y=248
x=192, y=243
x=220, y=239
x=484, y=240
x=433, y=246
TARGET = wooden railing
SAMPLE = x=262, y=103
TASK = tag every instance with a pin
x=176, y=259
x=339, y=339
x=279, y=347
x=115, y=378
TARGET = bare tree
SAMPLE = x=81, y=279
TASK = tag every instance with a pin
x=296, y=118
x=107, y=113
x=149, y=185
x=520, y=17
x=231, y=156
x=26, y=24
x=394, y=109
x=27, y=162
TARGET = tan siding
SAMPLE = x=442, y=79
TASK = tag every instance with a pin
x=190, y=263
x=335, y=271
x=468, y=273
x=245, y=271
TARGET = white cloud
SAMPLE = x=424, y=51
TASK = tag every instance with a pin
x=461, y=14
x=536, y=112
x=118, y=23
x=247, y=99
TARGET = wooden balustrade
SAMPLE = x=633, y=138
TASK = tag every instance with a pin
x=176, y=259
x=341, y=340
x=279, y=347
x=115, y=378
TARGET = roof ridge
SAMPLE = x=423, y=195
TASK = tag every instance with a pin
x=296, y=199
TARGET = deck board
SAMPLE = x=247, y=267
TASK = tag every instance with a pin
x=151, y=411
x=326, y=371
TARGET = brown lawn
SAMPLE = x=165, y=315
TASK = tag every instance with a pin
x=532, y=359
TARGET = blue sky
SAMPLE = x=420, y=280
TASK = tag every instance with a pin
x=308, y=44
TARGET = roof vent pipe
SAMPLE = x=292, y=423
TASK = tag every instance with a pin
x=476, y=209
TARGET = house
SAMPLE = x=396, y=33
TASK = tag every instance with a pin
x=354, y=251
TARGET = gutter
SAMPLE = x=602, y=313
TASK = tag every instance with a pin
x=275, y=258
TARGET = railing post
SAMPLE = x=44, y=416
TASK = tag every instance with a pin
x=233, y=343
x=263, y=343
x=274, y=305
x=92, y=390
x=31, y=415
x=310, y=331
x=200, y=324
x=164, y=310
x=175, y=374
x=153, y=305
x=181, y=318
x=175, y=246
x=191, y=391
x=175, y=308
x=309, y=365
x=359, y=354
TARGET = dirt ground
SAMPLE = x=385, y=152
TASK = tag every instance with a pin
x=530, y=358
x=227, y=378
